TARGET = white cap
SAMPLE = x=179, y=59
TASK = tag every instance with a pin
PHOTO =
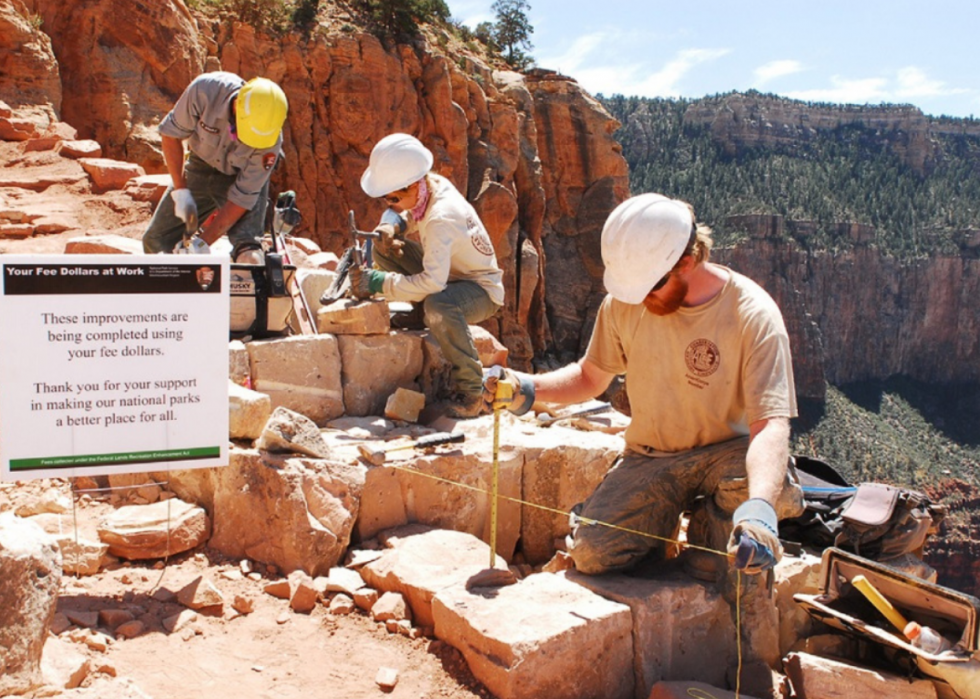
x=642, y=240
x=397, y=161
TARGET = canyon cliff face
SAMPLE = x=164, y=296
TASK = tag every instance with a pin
x=534, y=154
x=738, y=121
x=861, y=315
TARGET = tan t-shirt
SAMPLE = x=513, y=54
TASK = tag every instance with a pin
x=701, y=375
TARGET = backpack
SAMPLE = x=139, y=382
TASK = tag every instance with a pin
x=873, y=520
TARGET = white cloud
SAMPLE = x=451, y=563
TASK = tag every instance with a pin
x=776, y=69
x=578, y=54
x=629, y=78
x=861, y=91
x=913, y=82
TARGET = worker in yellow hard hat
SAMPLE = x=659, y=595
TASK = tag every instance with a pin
x=233, y=131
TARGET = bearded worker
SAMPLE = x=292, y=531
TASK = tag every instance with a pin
x=432, y=249
x=710, y=384
x=233, y=131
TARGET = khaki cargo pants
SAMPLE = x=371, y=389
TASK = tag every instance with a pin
x=648, y=495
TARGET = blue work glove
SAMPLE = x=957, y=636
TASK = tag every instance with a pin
x=755, y=539
x=521, y=395
x=365, y=283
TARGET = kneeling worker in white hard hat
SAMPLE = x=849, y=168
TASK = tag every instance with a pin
x=233, y=130
x=433, y=249
x=710, y=383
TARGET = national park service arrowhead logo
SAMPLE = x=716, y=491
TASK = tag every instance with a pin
x=702, y=358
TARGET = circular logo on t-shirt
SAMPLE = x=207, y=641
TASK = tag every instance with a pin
x=481, y=241
x=702, y=357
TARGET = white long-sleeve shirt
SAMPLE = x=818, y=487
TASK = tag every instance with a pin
x=455, y=247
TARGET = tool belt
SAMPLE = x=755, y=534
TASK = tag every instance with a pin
x=260, y=300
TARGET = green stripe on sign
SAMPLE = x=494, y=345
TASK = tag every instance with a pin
x=130, y=457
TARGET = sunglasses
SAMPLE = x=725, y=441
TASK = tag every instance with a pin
x=397, y=195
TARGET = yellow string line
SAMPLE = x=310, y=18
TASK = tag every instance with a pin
x=588, y=520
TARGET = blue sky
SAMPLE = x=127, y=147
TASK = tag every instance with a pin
x=856, y=52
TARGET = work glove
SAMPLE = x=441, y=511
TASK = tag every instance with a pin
x=391, y=234
x=184, y=205
x=192, y=246
x=521, y=397
x=756, y=526
x=365, y=283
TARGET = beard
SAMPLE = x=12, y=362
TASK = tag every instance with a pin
x=673, y=296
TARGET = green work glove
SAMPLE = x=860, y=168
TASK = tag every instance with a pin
x=521, y=397
x=365, y=283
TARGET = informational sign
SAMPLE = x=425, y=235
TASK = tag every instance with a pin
x=112, y=364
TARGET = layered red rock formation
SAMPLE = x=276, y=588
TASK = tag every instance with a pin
x=535, y=155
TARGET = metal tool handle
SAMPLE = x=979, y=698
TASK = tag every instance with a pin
x=585, y=412
x=434, y=440
x=352, y=228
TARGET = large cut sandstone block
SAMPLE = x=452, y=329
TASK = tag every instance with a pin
x=109, y=174
x=294, y=513
x=354, y=317
x=795, y=575
x=30, y=572
x=816, y=677
x=239, y=368
x=302, y=373
x=165, y=528
x=543, y=637
x=423, y=562
x=375, y=365
x=678, y=623
x=248, y=412
x=449, y=489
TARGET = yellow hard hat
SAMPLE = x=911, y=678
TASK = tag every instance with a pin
x=260, y=111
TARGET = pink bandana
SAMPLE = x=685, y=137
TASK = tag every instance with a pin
x=418, y=211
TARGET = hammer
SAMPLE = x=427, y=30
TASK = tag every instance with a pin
x=545, y=420
x=376, y=457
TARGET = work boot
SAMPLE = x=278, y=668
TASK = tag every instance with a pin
x=464, y=406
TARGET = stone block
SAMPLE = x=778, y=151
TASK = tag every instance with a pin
x=354, y=317
x=795, y=575
x=104, y=245
x=248, y=412
x=84, y=148
x=148, y=188
x=374, y=366
x=816, y=677
x=314, y=282
x=404, y=405
x=289, y=432
x=423, y=562
x=138, y=532
x=302, y=373
x=16, y=230
x=239, y=369
x=81, y=556
x=492, y=352
x=302, y=593
x=294, y=513
x=62, y=665
x=110, y=174
x=199, y=594
x=31, y=566
x=326, y=261
x=542, y=637
x=678, y=623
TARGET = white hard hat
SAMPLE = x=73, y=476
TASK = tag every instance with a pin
x=396, y=161
x=642, y=240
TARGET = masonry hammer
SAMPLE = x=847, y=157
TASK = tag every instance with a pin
x=376, y=456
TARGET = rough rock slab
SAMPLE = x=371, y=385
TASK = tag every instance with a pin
x=31, y=566
x=199, y=594
x=109, y=174
x=795, y=575
x=149, y=188
x=404, y=404
x=422, y=562
x=248, y=412
x=289, y=432
x=103, y=245
x=62, y=665
x=375, y=365
x=354, y=317
x=294, y=513
x=81, y=556
x=677, y=623
x=239, y=369
x=138, y=532
x=814, y=677
x=302, y=373
x=542, y=637
x=84, y=148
